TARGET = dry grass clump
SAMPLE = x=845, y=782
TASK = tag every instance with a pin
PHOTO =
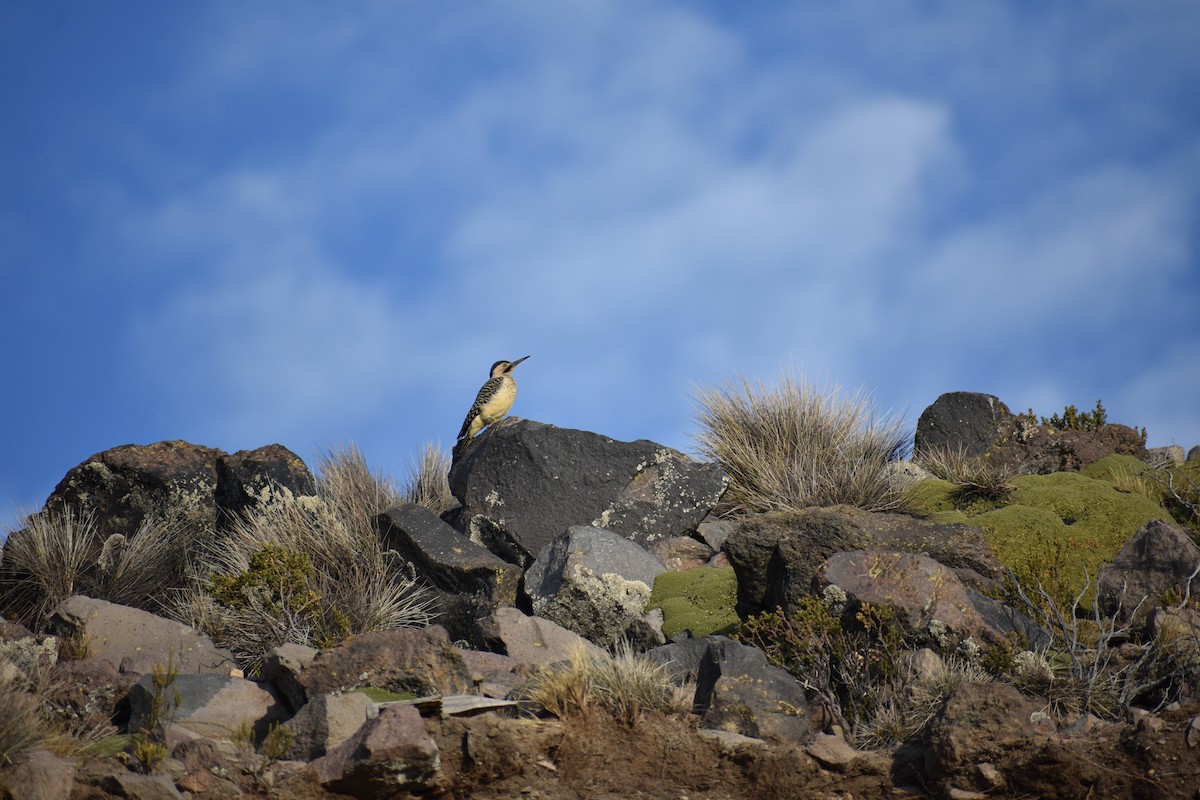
x=793, y=445
x=428, y=481
x=624, y=685
x=310, y=570
x=58, y=554
x=909, y=705
x=21, y=726
x=974, y=477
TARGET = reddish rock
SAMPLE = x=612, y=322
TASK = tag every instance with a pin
x=681, y=552
x=419, y=661
x=389, y=755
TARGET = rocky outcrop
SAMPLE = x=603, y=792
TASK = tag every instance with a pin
x=209, y=706
x=522, y=483
x=927, y=598
x=390, y=756
x=176, y=480
x=593, y=582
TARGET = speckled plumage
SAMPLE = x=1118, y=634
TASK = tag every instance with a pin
x=492, y=403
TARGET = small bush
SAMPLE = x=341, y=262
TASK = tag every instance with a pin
x=974, y=477
x=793, y=446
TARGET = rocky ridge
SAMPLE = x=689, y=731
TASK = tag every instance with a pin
x=559, y=543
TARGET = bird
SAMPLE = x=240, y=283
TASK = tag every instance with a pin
x=491, y=404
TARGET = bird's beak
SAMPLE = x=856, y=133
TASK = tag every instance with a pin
x=513, y=365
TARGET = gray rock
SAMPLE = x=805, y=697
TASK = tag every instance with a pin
x=134, y=640
x=1159, y=558
x=1169, y=456
x=209, y=706
x=534, y=641
x=927, y=597
x=389, y=756
x=142, y=787
x=327, y=721
x=714, y=532
x=469, y=582
x=532, y=481
x=903, y=474
x=419, y=661
x=682, y=659
x=804, y=539
x=593, y=582
x=1194, y=453
x=738, y=691
x=962, y=421
x=284, y=666
x=41, y=775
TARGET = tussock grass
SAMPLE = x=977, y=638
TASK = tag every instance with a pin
x=21, y=726
x=58, y=554
x=428, y=481
x=908, y=706
x=309, y=570
x=793, y=446
x=624, y=685
x=974, y=477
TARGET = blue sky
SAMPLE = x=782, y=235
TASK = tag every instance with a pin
x=317, y=223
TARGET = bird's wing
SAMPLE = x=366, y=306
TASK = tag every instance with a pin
x=485, y=393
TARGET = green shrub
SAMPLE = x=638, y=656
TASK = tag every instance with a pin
x=793, y=446
x=699, y=600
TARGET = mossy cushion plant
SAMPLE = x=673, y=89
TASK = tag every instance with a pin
x=699, y=600
x=1050, y=528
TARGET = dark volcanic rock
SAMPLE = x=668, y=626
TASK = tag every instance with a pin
x=533, y=481
x=963, y=420
x=468, y=581
x=175, y=480
x=1160, y=558
x=738, y=691
x=1043, y=449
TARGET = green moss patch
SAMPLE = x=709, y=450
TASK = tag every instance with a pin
x=700, y=600
x=1052, y=526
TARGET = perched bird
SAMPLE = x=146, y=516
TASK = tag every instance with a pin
x=493, y=402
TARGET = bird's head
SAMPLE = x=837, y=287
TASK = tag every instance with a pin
x=505, y=367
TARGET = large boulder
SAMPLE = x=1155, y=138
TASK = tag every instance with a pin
x=966, y=421
x=592, y=581
x=468, y=581
x=1043, y=449
x=927, y=598
x=776, y=555
x=1161, y=558
x=176, y=480
x=534, y=641
x=327, y=721
x=522, y=483
x=136, y=641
